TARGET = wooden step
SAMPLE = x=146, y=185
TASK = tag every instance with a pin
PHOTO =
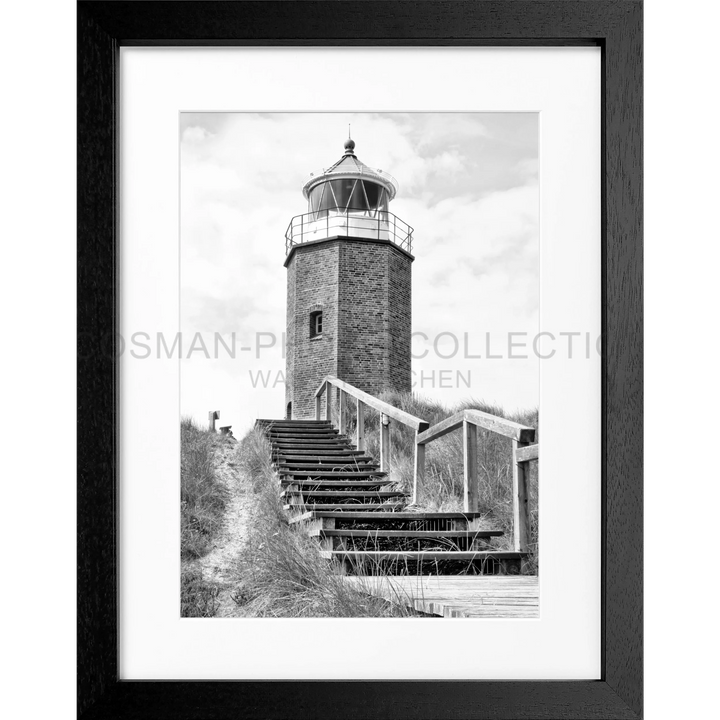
x=422, y=556
x=327, y=451
x=305, y=436
x=269, y=430
x=309, y=434
x=349, y=495
x=290, y=468
x=339, y=459
x=336, y=483
x=283, y=424
x=310, y=445
x=430, y=534
x=335, y=467
x=315, y=436
x=299, y=453
x=294, y=423
x=336, y=439
x=304, y=430
x=337, y=475
x=280, y=448
x=300, y=428
x=352, y=539
x=357, y=514
x=331, y=507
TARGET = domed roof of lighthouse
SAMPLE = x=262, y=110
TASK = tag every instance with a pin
x=350, y=167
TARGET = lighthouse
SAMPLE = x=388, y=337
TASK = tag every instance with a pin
x=348, y=261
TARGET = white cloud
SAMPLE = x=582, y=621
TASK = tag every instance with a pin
x=194, y=134
x=528, y=169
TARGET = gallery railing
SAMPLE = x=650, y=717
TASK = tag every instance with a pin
x=349, y=222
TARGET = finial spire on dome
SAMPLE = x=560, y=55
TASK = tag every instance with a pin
x=349, y=144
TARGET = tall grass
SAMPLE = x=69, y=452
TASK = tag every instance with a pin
x=442, y=489
x=280, y=572
x=202, y=496
x=198, y=598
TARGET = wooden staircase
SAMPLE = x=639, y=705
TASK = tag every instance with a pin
x=342, y=498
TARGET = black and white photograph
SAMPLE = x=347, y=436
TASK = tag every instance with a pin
x=339, y=266
x=359, y=365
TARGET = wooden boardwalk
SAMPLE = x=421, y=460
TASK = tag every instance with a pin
x=458, y=596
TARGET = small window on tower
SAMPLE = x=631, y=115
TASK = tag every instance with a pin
x=316, y=323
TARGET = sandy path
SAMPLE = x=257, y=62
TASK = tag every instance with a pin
x=219, y=564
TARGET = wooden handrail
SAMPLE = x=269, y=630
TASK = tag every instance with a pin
x=391, y=411
x=484, y=420
x=527, y=453
x=522, y=454
x=468, y=420
x=387, y=412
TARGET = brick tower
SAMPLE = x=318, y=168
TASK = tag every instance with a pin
x=348, y=286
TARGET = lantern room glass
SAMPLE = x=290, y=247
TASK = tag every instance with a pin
x=347, y=195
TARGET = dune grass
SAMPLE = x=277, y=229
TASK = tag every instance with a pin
x=198, y=597
x=280, y=571
x=202, y=497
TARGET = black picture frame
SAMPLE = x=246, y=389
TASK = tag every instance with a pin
x=615, y=26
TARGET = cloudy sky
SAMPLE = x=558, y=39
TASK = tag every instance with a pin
x=469, y=187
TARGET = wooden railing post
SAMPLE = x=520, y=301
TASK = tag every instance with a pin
x=328, y=402
x=359, y=425
x=470, y=494
x=343, y=412
x=419, y=474
x=387, y=414
x=213, y=415
x=521, y=515
x=384, y=443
